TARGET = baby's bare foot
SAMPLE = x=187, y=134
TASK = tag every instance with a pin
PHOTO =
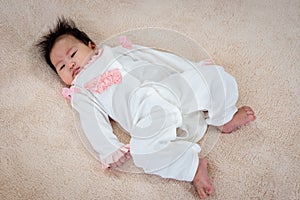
x=201, y=180
x=243, y=116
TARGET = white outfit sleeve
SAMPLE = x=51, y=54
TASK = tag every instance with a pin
x=157, y=57
x=97, y=128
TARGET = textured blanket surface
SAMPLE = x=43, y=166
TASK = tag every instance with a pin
x=41, y=154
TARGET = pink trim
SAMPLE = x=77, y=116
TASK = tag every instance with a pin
x=116, y=156
x=94, y=57
x=125, y=42
x=101, y=83
x=207, y=62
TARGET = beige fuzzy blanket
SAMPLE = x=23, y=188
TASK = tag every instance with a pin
x=257, y=41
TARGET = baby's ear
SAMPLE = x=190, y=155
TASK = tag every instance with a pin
x=92, y=45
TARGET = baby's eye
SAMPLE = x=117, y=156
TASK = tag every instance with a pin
x=73, y=54
x=62, y=67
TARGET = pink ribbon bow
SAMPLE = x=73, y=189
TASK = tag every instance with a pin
x=68, y=92
x=101, y=83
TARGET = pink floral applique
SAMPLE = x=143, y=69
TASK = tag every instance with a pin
x=68, y=92
x=125, y=42
x=101, y=83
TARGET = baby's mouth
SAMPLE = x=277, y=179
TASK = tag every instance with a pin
x=76, y=71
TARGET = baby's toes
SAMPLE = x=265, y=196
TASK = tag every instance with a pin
x=201, y=193
x=250, y=117
x=209, y=190
x=249, y=112
x=247, y=108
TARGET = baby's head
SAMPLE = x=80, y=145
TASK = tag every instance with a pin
x=66, y=49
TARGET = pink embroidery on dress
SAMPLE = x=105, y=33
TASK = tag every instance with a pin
x=125, y=42
x=68, y=92
x=101, y=83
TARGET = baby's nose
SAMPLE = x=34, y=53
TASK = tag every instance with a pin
x=72, y=64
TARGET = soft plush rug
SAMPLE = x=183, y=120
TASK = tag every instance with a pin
x=42, y=156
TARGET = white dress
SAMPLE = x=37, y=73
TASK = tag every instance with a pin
x=154, y=95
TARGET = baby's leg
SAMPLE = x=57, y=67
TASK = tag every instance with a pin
x=243, y=116
x=201, y=181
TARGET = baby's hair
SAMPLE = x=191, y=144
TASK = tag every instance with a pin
x=63, y=27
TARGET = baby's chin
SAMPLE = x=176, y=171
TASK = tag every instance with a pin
x=69, y=81
x=74, y=75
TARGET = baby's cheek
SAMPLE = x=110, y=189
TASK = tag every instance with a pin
x=70, y=80
x=66, y=78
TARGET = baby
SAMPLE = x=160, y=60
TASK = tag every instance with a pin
x=149, y=93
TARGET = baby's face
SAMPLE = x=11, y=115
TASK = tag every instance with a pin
x=69, y=55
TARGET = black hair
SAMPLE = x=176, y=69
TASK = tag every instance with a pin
x=63, y=27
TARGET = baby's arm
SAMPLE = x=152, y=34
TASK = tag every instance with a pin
x=98, y=131
x=154, y=56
